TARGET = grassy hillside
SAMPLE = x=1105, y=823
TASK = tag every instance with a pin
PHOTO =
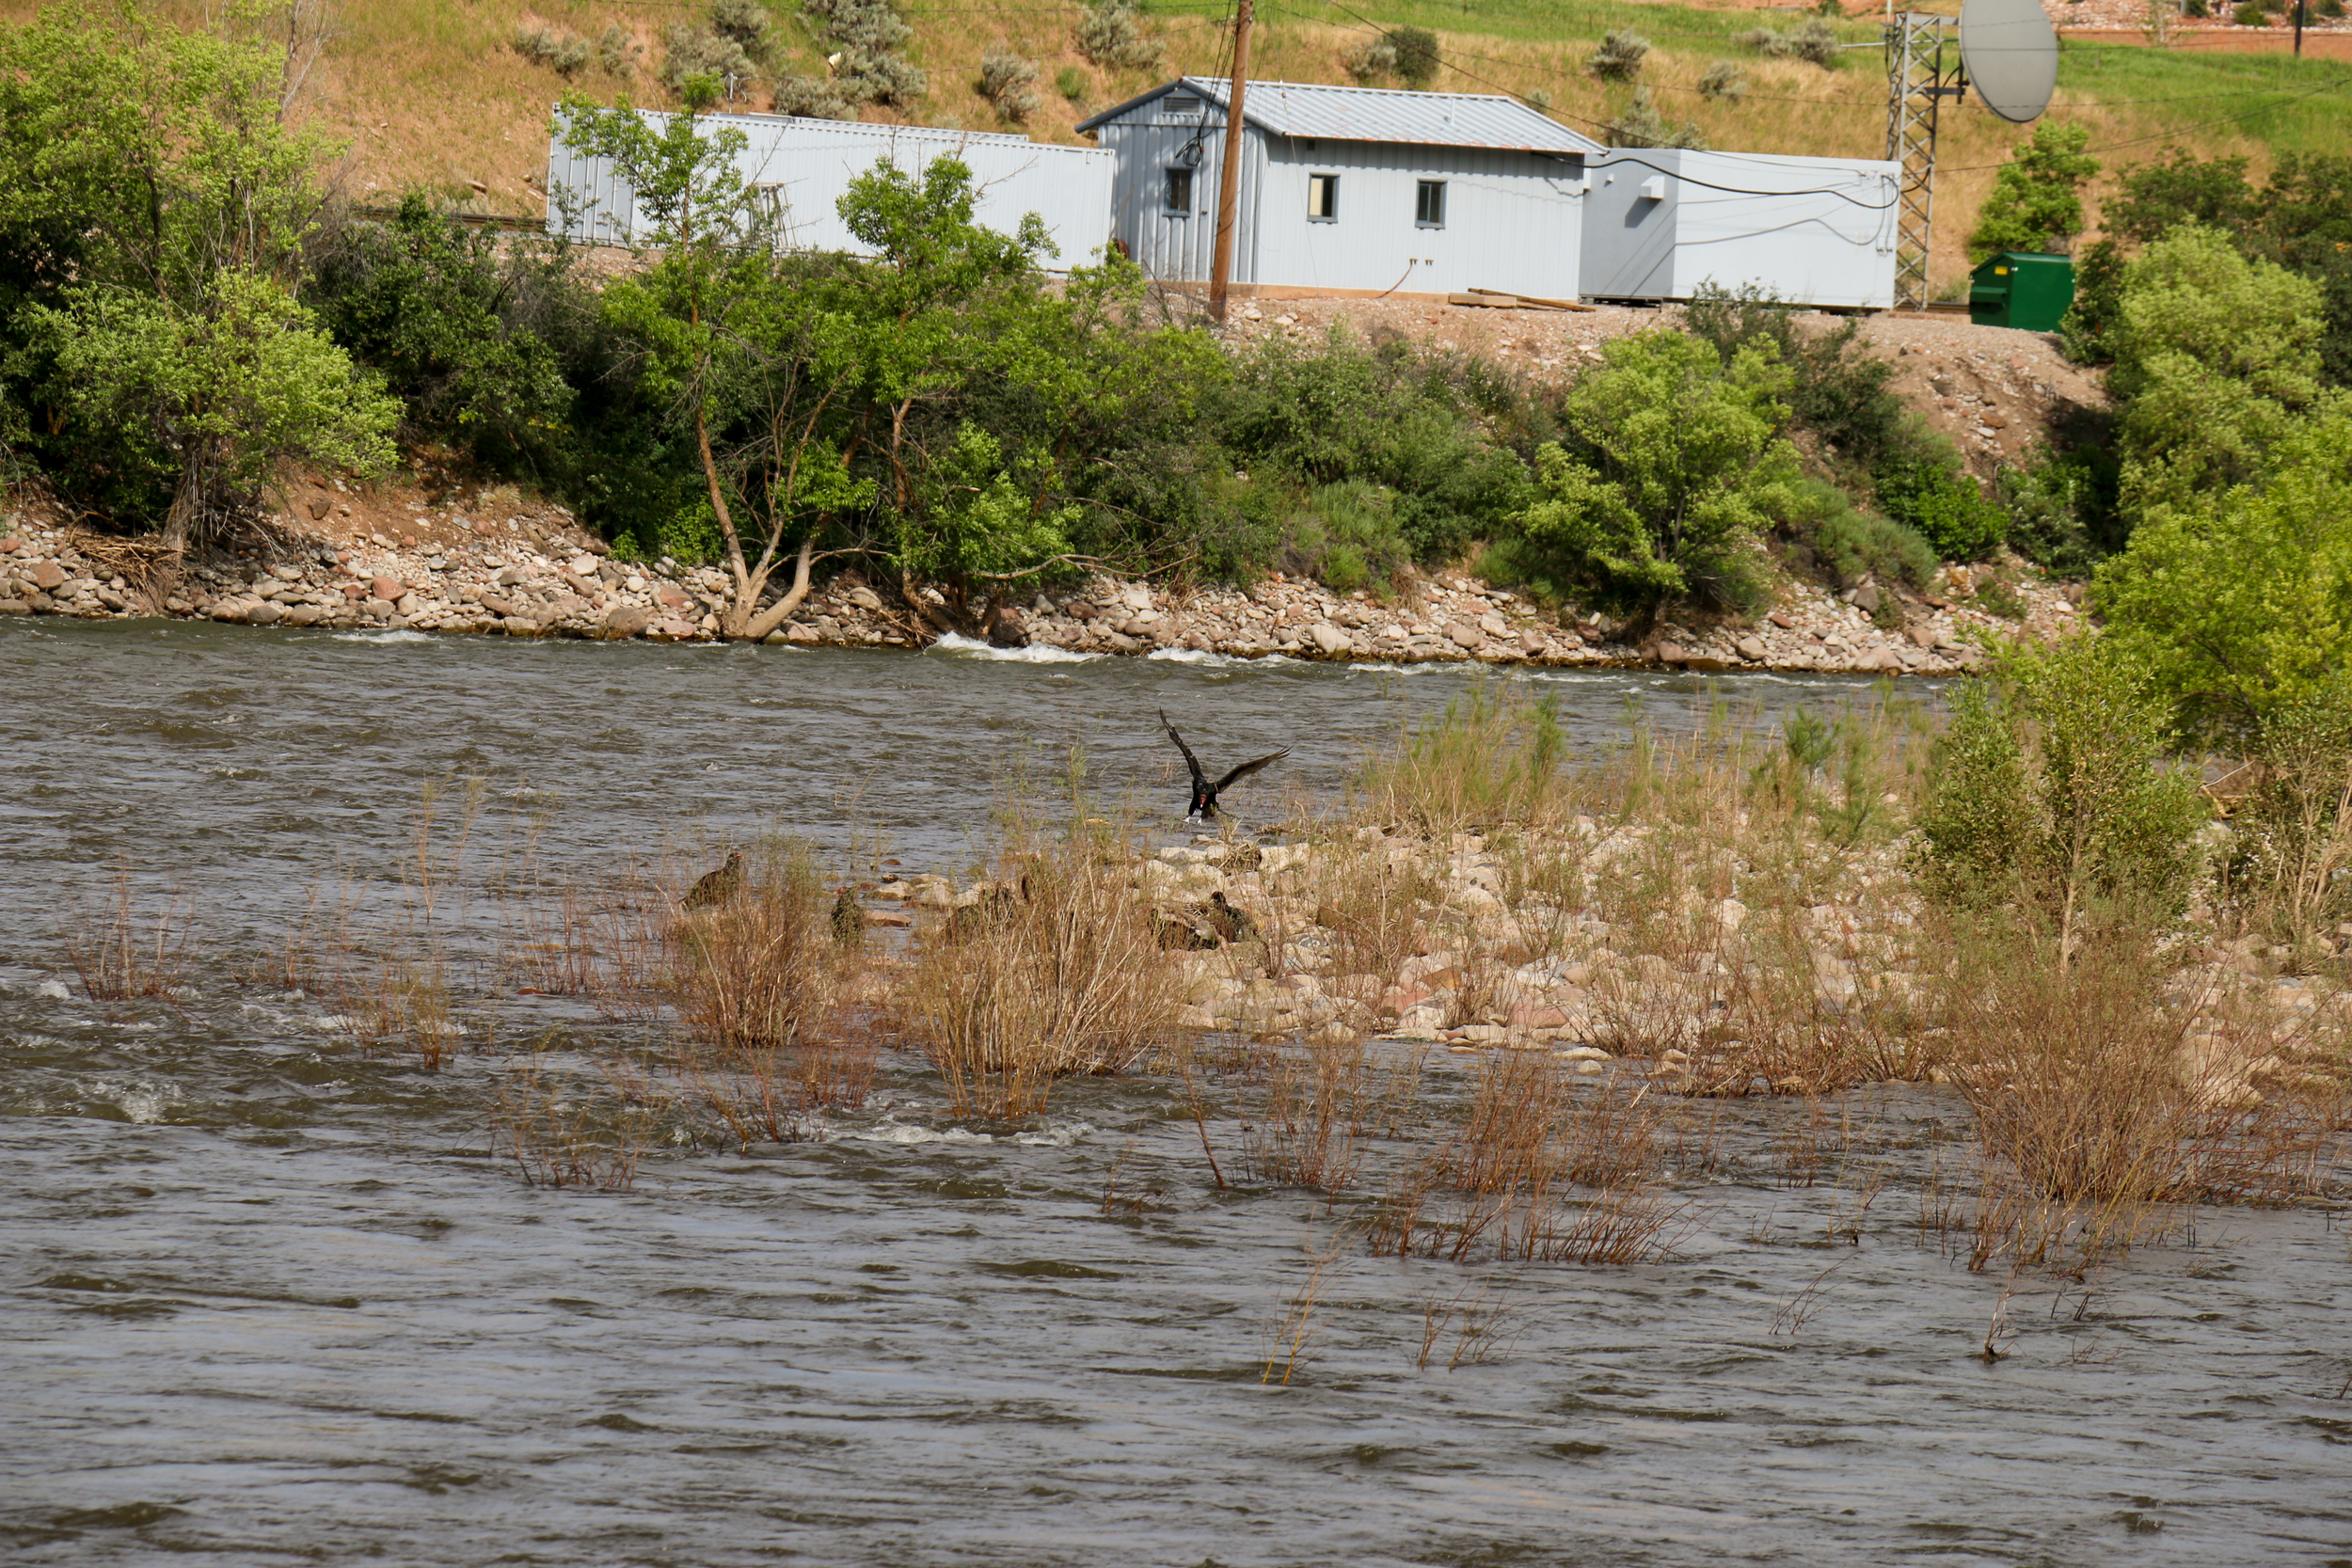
x=431, y=92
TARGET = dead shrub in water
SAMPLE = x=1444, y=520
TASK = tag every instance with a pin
x=1315, y=1107
x=120, y=954
x=608, y=944
x=753, y=981
x=1066, y=976
x=2096, y=1102
x=749, y=974
x=1513, y=1169
x=1793, y=1024
x=563, y=1136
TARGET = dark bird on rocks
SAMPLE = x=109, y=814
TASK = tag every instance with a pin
x=1204, y=794
x=1231, y=922
x=720, y=886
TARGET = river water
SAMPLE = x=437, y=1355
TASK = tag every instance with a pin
x=269, y=1300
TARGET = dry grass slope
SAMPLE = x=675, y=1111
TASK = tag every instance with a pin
x=433, y=94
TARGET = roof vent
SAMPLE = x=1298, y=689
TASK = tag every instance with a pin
x=1183, y=103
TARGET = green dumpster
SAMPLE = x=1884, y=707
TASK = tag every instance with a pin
x=2020, y=288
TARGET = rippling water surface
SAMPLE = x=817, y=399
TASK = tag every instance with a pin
x=269, y=1300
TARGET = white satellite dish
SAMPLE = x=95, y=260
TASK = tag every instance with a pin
x=2011, y=54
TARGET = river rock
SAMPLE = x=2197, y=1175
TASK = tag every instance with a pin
x=865, y=598
x=1329, y=638
x=15, y=607
x=388, y=589
x=1923, y=637
x=672, y=596
x=1465, y=636
x=10, y=545
x=627, y=620
x=306, y=615
x=509, y=576
x=1867, y=598
x=1009, y=630
x=49, y=577
x=1750, y=647
x=265, y=613
x=1671, y=652
x=795, y=632
x=518, y=625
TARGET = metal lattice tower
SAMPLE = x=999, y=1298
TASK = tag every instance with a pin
x=1922, y=69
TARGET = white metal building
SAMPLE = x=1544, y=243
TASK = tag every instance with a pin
x=808, y=165
x=1661, y=222
x=1350, y=189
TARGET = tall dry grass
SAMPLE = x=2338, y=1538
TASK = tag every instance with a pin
x=565, y=1135
x=1064, y=976
x=763, y=1041
x=123, y=948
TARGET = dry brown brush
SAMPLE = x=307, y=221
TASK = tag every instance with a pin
x=1063, y=973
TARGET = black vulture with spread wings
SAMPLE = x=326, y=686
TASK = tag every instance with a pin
x=1204, y=793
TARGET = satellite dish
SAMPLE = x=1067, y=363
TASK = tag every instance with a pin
x=2011, y=54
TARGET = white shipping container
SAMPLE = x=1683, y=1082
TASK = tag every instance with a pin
x=1661, y=222
x=808, y=165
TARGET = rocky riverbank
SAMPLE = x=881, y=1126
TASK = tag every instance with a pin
x=495, y=563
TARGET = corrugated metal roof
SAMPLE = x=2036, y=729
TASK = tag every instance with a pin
x=1380, y=115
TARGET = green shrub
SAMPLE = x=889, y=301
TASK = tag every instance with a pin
x=2241, y=603
x=566, y=52
x=1071, y=83
x=1851, y=545
x=1416, y=54
x=1724, y=82
x=1817, y=42
x=1642, y=125
x=2061, y=508
x=1923, y=485
x=1112, y=36
x=1009, y=81
x=1676, y=468
x=2051, y=794
x=2250, y=15
x=2036, y=203
x=1619, y=56
x=1839, y=391
x=1347, y=537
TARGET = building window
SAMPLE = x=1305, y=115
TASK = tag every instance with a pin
x=1180, y=192
x=1429, y=204
x=1322, y=198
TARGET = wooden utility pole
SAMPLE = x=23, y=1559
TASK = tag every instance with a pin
x=1227, y=183
x=2300, y=7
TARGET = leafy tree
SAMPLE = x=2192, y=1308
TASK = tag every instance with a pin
x=2154, y=198
x=2036, y=203
x=712, y=239
x=153, y=210
x=2240, y=604
x=2051, y=794
x=1677, y=468
x=2215, y=354
x=216, y=395
x=436, y=310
